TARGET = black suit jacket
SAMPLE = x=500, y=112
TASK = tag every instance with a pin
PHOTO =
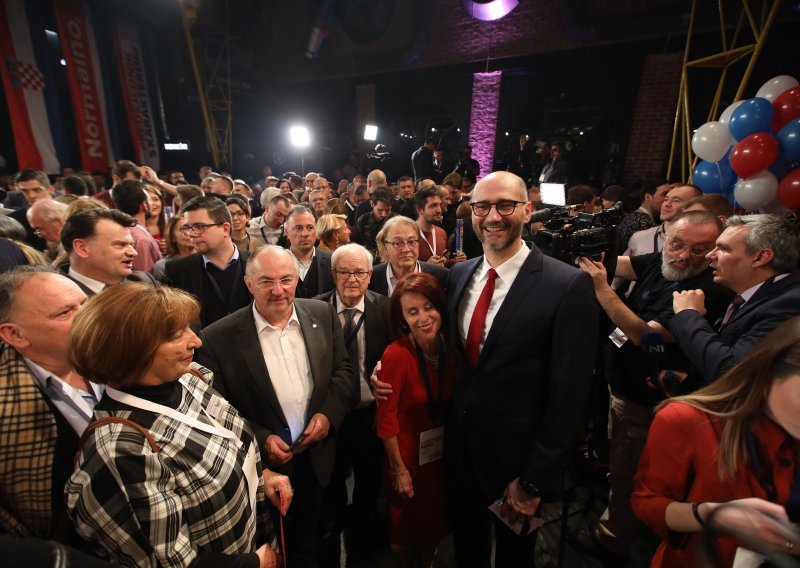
x=379, y=284
x=518, y=412
x=320, y=280
x=713, y=353
x=231, y=350
x=135, y=276
x=189, y=274
x=377, y=333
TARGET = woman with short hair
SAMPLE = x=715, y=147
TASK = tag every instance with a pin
x=332, y=231
x=168, y=473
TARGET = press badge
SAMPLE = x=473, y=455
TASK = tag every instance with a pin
x=215, y=408
x=618, y=337
x=431, y=445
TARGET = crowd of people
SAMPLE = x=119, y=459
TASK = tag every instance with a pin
x=189, y=374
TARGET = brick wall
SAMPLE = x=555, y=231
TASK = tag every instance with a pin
x=653, y=117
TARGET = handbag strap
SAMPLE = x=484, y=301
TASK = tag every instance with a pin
x=116, y=420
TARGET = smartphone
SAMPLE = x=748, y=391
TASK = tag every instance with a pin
x=298, y=442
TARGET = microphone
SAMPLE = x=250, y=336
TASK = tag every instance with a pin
x=654, y=353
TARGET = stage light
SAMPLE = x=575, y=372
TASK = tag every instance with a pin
x=370, y=132
x=299, y=136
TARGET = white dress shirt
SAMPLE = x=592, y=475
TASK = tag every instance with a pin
x=303, y=267
x=392, y=280
x=286, y=359
x=93, y=285
x=358, y=368
x=506, y=274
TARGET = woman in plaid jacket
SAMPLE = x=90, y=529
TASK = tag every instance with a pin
x=169, y=474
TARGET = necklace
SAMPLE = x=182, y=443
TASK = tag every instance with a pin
x=432, y=360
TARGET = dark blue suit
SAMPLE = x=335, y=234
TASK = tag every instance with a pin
x=713, y=353
x=518, y=412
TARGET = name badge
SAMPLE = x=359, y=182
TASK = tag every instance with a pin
x=618, y=337
x=431, y=445
x=215, y=408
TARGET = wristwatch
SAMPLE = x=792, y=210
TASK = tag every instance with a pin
x=529, y=488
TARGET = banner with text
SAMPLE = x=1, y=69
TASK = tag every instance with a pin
x=130, y=62
x=85, y=83
x=28, y=87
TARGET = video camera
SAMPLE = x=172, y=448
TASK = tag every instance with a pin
x=568, y=238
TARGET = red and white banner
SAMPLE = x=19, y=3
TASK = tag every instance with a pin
x=24, y=85
x=130, y=62
x=85, y=83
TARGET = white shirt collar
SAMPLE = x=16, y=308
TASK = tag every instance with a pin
x=751, y=291
x=93, y=285
x=234, y=256
x=340, y=307
x=262, y=324
x=508, y=270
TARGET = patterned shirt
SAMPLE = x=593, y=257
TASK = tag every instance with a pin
x=165, y=508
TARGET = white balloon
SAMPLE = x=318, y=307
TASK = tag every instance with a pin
x=775, y=87
x=725, y=117
x=756, y=191
x=712, y=141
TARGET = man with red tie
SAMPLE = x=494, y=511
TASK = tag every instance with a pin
x=525, y=334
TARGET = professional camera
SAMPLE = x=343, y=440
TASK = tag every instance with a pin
x=568, y=237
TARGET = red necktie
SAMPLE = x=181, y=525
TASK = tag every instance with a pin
x=479, y=318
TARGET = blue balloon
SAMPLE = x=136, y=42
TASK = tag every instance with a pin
x=714, y=178
x=753, y=115
x=789, y=141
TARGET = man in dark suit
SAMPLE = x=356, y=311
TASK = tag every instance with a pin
x=100, y=249
x=215, y=273
x=313, y=265
x=524, y=332
x=35, y=186
x=283, y=364
x=422, y=160
x=756, y=256
x=364, y=316
x=399, y=240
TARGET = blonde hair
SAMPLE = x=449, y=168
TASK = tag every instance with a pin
x=115, y=335
x=327, y=225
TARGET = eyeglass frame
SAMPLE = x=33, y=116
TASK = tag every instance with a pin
x=683, y=247
x=354, y=274
x=400, y=245
x=197, y=228
x=503, y=202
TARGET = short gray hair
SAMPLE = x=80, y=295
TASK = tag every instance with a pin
x=770, y=232
x=50, y=210
x=351, y=247
x=10, y=283
x=394, y=221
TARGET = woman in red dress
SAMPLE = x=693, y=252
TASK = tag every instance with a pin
x=411, y=421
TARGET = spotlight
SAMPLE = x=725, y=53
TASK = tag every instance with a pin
x=299, y=136
x=63, y=62
x=370, y=132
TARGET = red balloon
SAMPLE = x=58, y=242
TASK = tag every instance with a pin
x=787, y=108
x=754, y=154
x=789, y=190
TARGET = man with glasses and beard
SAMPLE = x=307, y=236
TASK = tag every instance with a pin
x=638, y=346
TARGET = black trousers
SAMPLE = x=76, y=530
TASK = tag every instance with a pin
x=302, y=522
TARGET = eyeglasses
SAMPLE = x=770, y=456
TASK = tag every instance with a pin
x=285, y=282
x=39, y=233
x=680, y=248
x=504, y=207
x=238, y=214
x=197, y=228
x=411, y=243
x=359, y=274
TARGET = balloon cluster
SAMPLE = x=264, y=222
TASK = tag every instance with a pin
x=752, y=154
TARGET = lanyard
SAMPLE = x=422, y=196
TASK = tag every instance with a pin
x=214, y=428
x=765, y=478
x=434, y=405
x=354, y=334
x=433, y=238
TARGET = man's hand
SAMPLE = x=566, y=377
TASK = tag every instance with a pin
x=278, y=489
x=659, y=383
x=458, y=257
x=689, y=300
x=596, y=270
x=278, y=451
x=268, y=558
x=517, y=504
x=317, y=430
x=380, y=390
x=438, y=260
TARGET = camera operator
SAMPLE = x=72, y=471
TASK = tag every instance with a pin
x=634, y=353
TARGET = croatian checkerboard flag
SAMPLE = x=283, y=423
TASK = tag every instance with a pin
x=29, y=92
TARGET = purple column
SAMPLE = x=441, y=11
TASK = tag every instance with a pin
x=483, y=117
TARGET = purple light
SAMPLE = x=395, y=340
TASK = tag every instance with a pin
x=490, y=11
x=483, y=117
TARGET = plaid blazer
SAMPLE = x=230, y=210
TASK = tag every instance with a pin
x=148, y=508
x=27, y=444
